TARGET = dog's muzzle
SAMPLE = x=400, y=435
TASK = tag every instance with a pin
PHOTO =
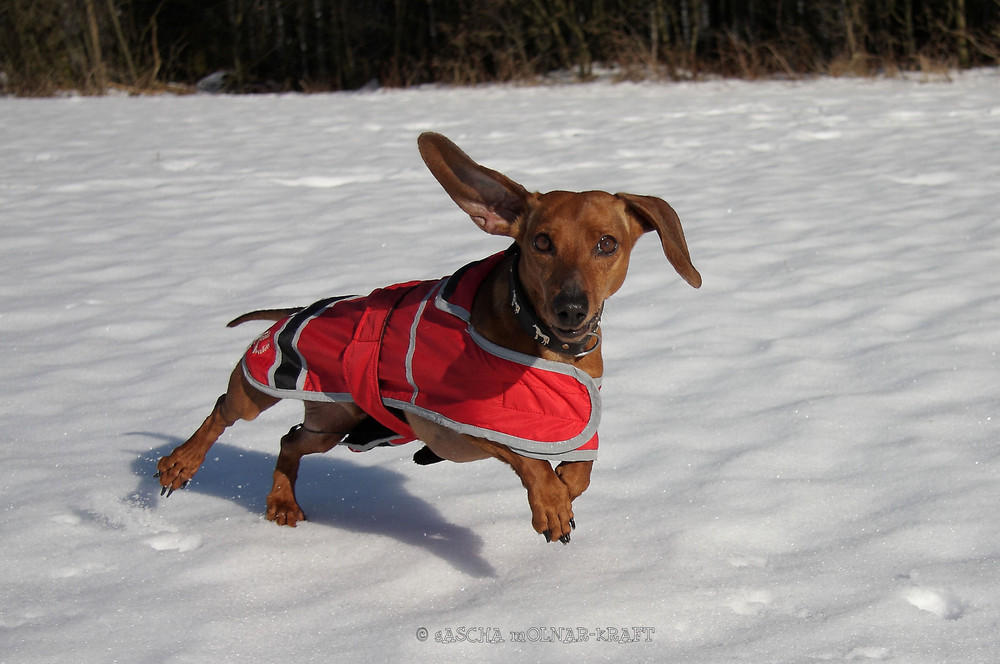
x=570, y=309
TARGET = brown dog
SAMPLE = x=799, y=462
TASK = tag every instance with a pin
x=542, y=300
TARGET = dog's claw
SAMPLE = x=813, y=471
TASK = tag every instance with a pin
x=166, y=491
x=572, y=524
x=548, y=537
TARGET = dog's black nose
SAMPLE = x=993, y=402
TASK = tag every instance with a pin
x=570, y=308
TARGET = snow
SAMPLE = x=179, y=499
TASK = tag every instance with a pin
x=799, y=461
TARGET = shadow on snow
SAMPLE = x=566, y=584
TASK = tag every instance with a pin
x=332, y=490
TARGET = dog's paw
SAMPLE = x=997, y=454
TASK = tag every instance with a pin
x=284, y=512
x=175, y=472
x=565, y=539
x=165, y=489
x=552, y=511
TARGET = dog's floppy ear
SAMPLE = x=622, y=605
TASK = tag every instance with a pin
x=494, y=201
x=656, y=214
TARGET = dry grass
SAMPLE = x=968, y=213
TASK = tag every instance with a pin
x=502, y=52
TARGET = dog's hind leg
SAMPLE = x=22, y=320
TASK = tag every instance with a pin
x=324, y=426
x=240, y=402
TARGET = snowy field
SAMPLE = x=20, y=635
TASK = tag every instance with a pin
x=800, y=461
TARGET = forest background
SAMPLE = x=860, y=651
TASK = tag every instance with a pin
x=93, y=46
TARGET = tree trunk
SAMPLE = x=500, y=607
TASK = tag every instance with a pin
x=911, y=43
x=964, y=59
x=96, y=58
x=551, y=21
x=123, y=44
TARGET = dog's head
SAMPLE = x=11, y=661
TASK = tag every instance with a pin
x=574, y=247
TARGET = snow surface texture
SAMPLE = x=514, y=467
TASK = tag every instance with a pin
x=799, y=461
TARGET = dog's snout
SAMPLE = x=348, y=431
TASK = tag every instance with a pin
x=570, y=308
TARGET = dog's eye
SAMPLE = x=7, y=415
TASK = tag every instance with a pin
x=607, y=245
x=543, y=243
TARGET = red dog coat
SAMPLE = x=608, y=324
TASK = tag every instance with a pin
x=411, y=347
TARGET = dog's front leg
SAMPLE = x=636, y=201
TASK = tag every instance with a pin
x=575, y=475
x=549, y=498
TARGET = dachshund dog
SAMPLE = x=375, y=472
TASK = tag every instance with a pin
x=501, y=359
